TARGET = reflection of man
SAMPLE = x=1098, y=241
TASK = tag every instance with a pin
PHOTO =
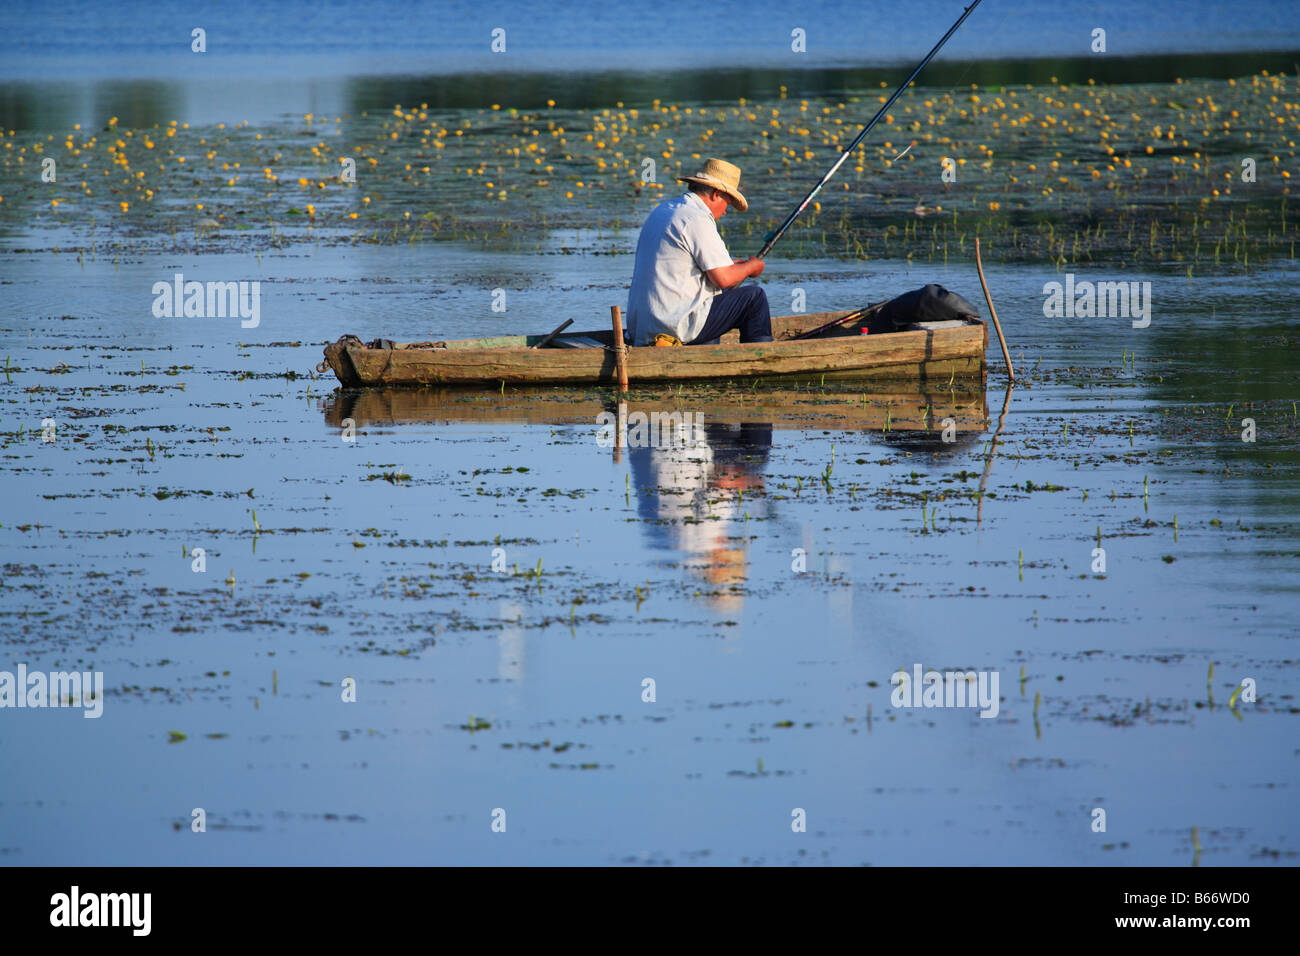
x=683, y=267
x=676, y=485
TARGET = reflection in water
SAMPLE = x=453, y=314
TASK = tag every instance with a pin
x=992, y=452
x=691, y=494
x=698, y=460
x=510, y=641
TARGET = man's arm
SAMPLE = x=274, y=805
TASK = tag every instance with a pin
x=724, y=277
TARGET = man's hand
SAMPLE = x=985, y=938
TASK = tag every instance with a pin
x=725, y=277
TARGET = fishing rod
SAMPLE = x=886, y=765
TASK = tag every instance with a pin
x=774, y=236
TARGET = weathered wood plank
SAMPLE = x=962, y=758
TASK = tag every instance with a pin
x=490, y=361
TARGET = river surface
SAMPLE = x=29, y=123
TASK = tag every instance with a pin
x=301, y=40
x=768, y=599
x=430, y=627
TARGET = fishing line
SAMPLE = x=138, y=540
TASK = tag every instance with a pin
x=970, y=64
x=775, y=236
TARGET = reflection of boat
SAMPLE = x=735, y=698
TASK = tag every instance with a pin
x=698, y=471
x=930, y=355
x=831, y=409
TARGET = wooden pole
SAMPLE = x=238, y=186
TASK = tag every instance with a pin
x=558, y=329
x=993, y=312
x=620, y=350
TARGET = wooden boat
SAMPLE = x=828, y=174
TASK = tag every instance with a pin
x=887, y=411
x=928, y=355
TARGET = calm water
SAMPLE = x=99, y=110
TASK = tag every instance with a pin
x=500, y=585
x=135, y=39
x=80, y=62
x=772, y=685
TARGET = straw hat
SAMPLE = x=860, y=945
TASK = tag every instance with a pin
x=723, y=176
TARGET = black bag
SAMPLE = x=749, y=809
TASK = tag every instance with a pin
x=933, y=303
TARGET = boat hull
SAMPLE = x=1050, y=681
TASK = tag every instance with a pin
x=928, y=354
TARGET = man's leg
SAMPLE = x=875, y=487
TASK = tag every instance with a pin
x=741, y=307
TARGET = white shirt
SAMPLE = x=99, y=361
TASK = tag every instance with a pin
x=670, y=292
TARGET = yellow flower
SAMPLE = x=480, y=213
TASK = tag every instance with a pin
x=125, y=205
x=198, y=205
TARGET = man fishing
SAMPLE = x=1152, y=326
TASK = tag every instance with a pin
x=686, y=288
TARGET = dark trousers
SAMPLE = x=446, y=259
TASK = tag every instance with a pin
x=741, y=307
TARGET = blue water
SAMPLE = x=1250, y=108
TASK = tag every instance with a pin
x=764, y=676
x=179, y=434
x=333, y=39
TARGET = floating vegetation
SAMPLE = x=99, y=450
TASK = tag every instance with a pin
x=1071, y=174
x=392, y=477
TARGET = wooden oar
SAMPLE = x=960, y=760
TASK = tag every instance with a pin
x=620, y=349
x=547, y=341
x=992, y=311
x=840, y=321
